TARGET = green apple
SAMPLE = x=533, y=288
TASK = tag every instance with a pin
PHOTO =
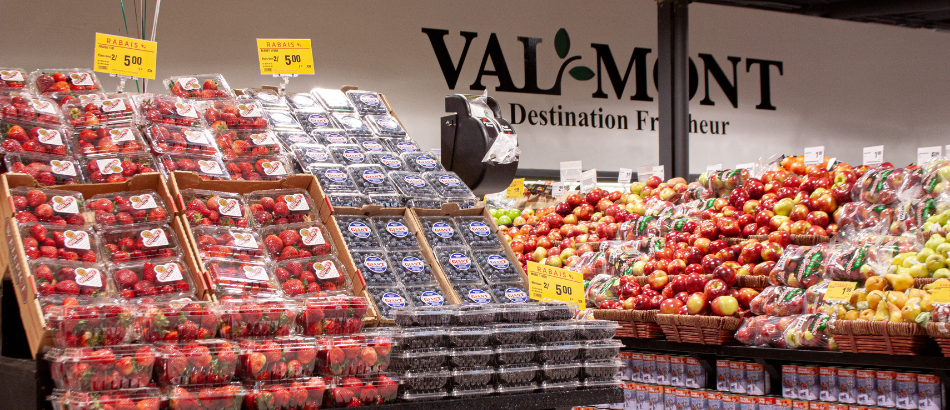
x=943, y=249
x=495, y=213
x=504, y=219
x=783, y=207
x=935, y=262
x=513, y=213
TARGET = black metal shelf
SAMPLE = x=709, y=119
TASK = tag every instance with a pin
x=529, y=401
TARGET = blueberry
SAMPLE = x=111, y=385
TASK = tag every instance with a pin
x=422, y=162
x=352, y=124
x=496, y=266
x=330, y=137
x=560, y=372
x=510, y=292
x=385, y=126
x=376, y=268
x=304, y=102
x=517, y=374
x=347, y=154
x=425, y=316
x=555, y=332
x=460, y=267
x=477, y=231
x=473, y=293
x=513, y=333
x=472, y=376
x=473, y=315
x=555, y=311
x=419, y=338
x=371, y=179
x=367, y=102
x=358, y=232
x=596, y=329
x=417, y=359
x=427, y=295
x=333, y=178
x=316, y=121
x=400, y=145
x=412, y=184
x=424, y=202
x=559, y=352
x=388, y=298
x=370, y=144
x=291, y=139
x=389, y=161
x=307, y=154
x=411, y=267
x=440, y=231
x=469, y=336
x=386, y=200
x=394, y=233
x=355, y=200
x=515, y=354
x=425, y=380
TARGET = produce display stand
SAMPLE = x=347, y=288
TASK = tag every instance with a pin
x=528, y=401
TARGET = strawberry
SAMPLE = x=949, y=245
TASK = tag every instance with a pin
x=67, y=287
x=255, y=362
x=289, y=237
x=293, y=287
x=273, y=244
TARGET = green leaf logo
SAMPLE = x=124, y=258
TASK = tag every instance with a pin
x=581, y=73
x=562, y=43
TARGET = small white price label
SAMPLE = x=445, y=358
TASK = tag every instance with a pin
x=659, y=171
x=713, y=168
x=831, y=163
x=814, y=155
x=644, y=173
x=747, y=166
x=570, y=171
x=557, y=189
x=873, y=155
x=926, y=154
x=624, y=176
x=588, y=180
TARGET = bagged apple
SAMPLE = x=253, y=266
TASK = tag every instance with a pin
x=779, y=301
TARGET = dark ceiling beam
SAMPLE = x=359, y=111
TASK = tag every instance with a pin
x=852, y=9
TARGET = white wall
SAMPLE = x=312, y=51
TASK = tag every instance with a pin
x=845, y=85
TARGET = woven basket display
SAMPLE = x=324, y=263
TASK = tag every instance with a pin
x=706, y=330
x=892, y=338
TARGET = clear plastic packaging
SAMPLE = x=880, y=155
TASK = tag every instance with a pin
x=471, y=376
x=559, y=352
x=297, y=240
x=46, y=169
x=778, y=301
x=71, y=278
x=385, y=126
x=199, y=86
x=513, y=333
x=448, y=184
x=203, y=207
x=401, y=145
x=23, y=106
x=413, y=397
x=348, y=199
x=601, y=370
x=61, y=81
x=48, y=205
x=424, y=202
x=358, y=232
x=517, y=354
x=117, y=168
x=425, y=316
x=346, y=356
x=370, y=144
x=42, y=240
x=351, y=124
x=302, y=393
x=103, y=368
x=561, y=372
x=173, y=139
x=313, y=122
x=304, y=102
x=460, y=392
x=422, y=162
x=232, y=278
x=177, y=321
x=247, y=144
x=596, y=329
x=390, y=200
x=517, y=312
x=198, y=362
x=411, y=267
x=290, y=139
x=555, y=311
x=440, y=231
x=38, y=138
x=141, y=398
x=334, y=179
x=458, y=265
x=139, y=242
x=556, y=332
x=113, y=111
x=427, y=295
x=277, y=359
x=389, y=161
x=280, y=206
x=412, y=184
x=226, y=242
x=367, y=102
x=473, y=315
x=333, y=100
x=308, y=154
x=517, y=374
x=375, y=266
x=269, y=168
x=90, y=325
x=371, y=179
x=209, y=168
x=513, y=292
x=468, y=336
x=107, y=140
x=390, y=298
x=13, y=79
x=799, y=266
x=270, y=99
x=331, y=315
x=601, y=349
x=495, y=265
x=411, y=338
x=394, y=234
x=330, y=137
x=282, y=120
x=165, y=109
x=426, y=381
x=478, y=232
x=158, y=279
x=128, y=208
x=309, y=276
x=220, y=396
x=347, y=154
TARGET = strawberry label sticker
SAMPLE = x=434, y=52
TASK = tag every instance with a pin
x=65, y=205
x=390, y=162
x=144, y=201
x=89, y=277
x=81, y=79
x=335, y=175
x=413, y=264
x=353, y=155
x=393, y=300
x=426, y=162
x=49, y=137
x=449, y=180
x=210, y=167
x=317, y=155
x=336, y=139
x=112, y=105
x=273, y=168
x=375, y=264
x=359, y=229
x=189, y=83
x=11, y=75
x=414, y=181
x=369, y=99
x=318, y=120
x=326, y=270
x=262, y=139
x=442, y=229
x=249, y=110
x=371, y=145
x=255, y=273
x=43, y=107
x=169, y=272
x=63, y=167
x=268, y=97
x=229, y=207
x=77, y=240
x=244, y=240
x=297, y=202
x=387, y=123
x=479, y=228
x=397, y=229
x=460, y=261
x=407, y=147
x=312, y=236
x=154, y=238
x=186, y=110
x=431, y=298
x=516, y=295
x=498, y=262
x=109, y=166
x=196, y=137
x=374, y=176
x=352, y=122
x=479, y=296
x=121, y=134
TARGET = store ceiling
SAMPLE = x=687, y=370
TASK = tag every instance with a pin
x=932, y=14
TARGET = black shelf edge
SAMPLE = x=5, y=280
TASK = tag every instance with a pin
x=529, y=401
x=794, y=355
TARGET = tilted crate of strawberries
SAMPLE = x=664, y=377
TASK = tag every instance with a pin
x=102, y=368
x=178, y=321
x=277, y=359
x=196, y=363
x=251, y=318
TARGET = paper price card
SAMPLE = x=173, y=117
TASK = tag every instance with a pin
x=814, y=155
x=660, y=171
x=588, y=180
x=644, y=173
x=125, y=56
x=874, y=155
x=940, y=292
x=624, y=176
x=926, y=154
x=550, y=283
x=285, y=56
x=516, y=189
x=570, y=171
x=557, y=189
x=839, y=291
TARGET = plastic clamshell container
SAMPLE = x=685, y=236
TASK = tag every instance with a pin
x=473, y=315
x=561, y=372
x=24, y=106
x=502, y=388
x=518, y=313
x=513, y=292
x=304, y=102
x=418, y=359
x=402, y=145
x=495, y=265
x=517, y=354
x=308, y=154
x=601, y=349
x=267, y=168
x=199, y=87
x=427, y=295
x=391, y=200
x=417, y=396
x=375, y=266
x=331, y=315
x=68, y=242
x=297, y=240
x=464, y=202
x=249, y=318
x=277, y=359
x=358, y=232
x=226, y=242
x=513, y=333
x=270, y=99
x=555, y=332
x=333, y=100
x=478, y=232
x=157, y=279
x=387, y=160
x=218, y=208
x=521, y=374
x=64, y=81
x=174, y=139
x=209, y=168
x=419, y=338
x=352, y=124
x=459, y=265
x=128, y=208
x=91, y=325
x=141, y=398
x=353, y=199
x=300, y=393
x=554, y=311
x=220, y=396
x=311, y=276
x=113, y=111
x=101, y=368
x=596, y=329
x=367, y=102
x=421, y=162
x=423, y=316
x=165, y=109
x=412, y=184
x=244, y=114
x=71, y=278
x=289, y=139
x=389, y=299
x=316, y=121
x=425, y=380
x=13, y=79
x=107, y=140
x=448, y=184
x=468, y=336
x=424, y=202
x=348, y=154
x=139, y=242
x=334, y=179
x=40, y=138
x=411, y=268
x=345, y=356
x=117, y=168
x=473, y=292
x=394, y=234
x=379, y=389
x=559, y=352
x=48, y=205
x=177, y=321
x=370, y=143
x=602, y=370
x=236, y=279
x=247, y=143
x=441, y=231
x=371, y=179
x=195, y=363
x=385, y=126
x=327, y=137
x=267, y=207
x=471, y=376
x=283, y=120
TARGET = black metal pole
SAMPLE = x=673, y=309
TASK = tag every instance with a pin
x=673, y=65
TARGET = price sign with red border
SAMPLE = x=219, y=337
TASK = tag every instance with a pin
x=550, y=283
x=285, y=56
x=125, y=56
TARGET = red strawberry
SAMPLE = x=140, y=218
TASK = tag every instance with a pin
x=126, y=278
x=38, y=232
x=67, y=287
x=289, y=237
x=255, y=362
x=293, y=287
x=273, y=244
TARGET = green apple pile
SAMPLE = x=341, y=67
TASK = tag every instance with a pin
x=507, y=216
x=929, y=262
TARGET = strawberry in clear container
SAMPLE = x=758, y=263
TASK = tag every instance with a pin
x=89, y=325
x=197, y=362
x=48, y=205
x=209, y=168
x=214, y=397
x=257, y=319
x=59, y=277
x=309, y=276
x=213, y=208
x=104, y=368
x=168, y=110
x=12, y=78
x=46, y=169
x=199, y=86
x=128, y=208
x=277, y=359
x=297, y=394
x=118, y=168
x=116, y=110
x=300, y=240
x=27, y=107
x=223, y=242
x=146, y=398
x=34, y=137
x=280, y=206
x=178, y=321
x=235, y=279
x=173, y=139
x=140, y=242
x=331, y=315
x=71, y=243
x=107, y=140
x=235, y=115
x=65, y=80
x=247, y=144
x=155, y=279
x=268, y=168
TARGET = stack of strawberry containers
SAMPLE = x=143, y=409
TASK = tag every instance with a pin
x=35, y=139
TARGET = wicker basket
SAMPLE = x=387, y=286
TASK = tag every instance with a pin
x=757, y=282
x=760, y=238
x=892, y=338
x=925, y=235
x=706, y=330
x=941, y=333
x=733, y=241
x=640, y=324
x=809, y=240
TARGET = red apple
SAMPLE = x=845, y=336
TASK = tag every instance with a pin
x=724, y=306
x=783, y=239
x=726, y=274
x=696, y=303
x=710, y=263
x=745, y=297
x=574, y=200
x=643, y=302
x=695, y=283
x=715, y=288
x=563, y=208
x=658, y=279
x=670, y=306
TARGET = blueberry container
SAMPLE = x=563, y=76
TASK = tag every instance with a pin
x=561, y=372
x=424, y=202
x=316, y=121
x=516, y=354
x=418, y=359
x=553, y=311
x=555, y=332
x=304, y=103
x=513, y=333
x=371, y=179
x=283, y=120
x=425, y=380
x=385, y=125
x=471, y=376
x=290, y=139
x=400, y=145
x=464, y=392
x=423, y=396
x=358, y=232
x=471, y=357
x=495, y=265
x=601, y=370
x=601, y=349
x=394, y=234
x=419, y=338
x=389, y=161
x=352, y=124
x=347, y=154
x=330, y=137
x=501, y=388
x=460, y=268
x=518, y=313
x=559, y=352
x=392, y=200
x=468, y=336
x=348, y=199
x=440, y=231
x=427, y=295
x=463, y=202
x=367, y=102
x=596, y=329
x=473, y=315
x=376, y=268
x=473, y=293
x=309, y=154
x=333, y=178
x=517, y=374
x=389, y=298
x=422, y=162
x=448, y=184
x=423, y=316
x=512, y=293
x=369, y=143
x=548, y=386
x=333, y=100
x=478, y=232
x=412, y=184
x=411, y=267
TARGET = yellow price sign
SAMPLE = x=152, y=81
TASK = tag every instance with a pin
x=285, y=56
x=516, y=189
x=125, y=56
x=940, y=292
x=550, y=283
x=839, y=291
